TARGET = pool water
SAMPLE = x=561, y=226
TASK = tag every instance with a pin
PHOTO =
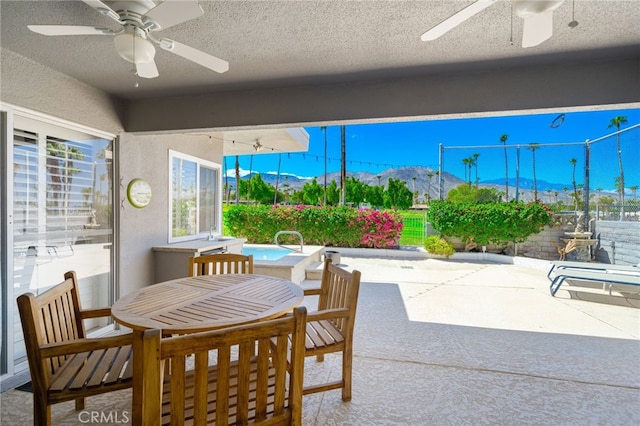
x=265, y=253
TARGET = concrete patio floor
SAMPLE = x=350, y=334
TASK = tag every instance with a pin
x=452, y=342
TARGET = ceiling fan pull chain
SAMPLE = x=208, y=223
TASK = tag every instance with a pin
x=511, y=36
x=135, y=69
x=573, y=22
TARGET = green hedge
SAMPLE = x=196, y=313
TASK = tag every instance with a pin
x=497, y=223
x=326, y=226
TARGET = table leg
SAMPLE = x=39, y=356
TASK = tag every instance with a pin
x=138, y=388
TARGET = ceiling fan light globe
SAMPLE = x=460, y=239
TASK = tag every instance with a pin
x=136, y=50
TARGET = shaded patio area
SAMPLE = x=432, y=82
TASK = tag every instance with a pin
x=443, y=342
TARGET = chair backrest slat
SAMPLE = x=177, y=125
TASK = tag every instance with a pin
x=257, y=368
x=339, y=289
x=222, y=263
x=52, y=317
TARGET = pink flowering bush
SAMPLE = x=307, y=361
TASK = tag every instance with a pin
x=328, y=226
x=379, y=229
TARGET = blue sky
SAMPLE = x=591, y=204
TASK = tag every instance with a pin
x=378, y=147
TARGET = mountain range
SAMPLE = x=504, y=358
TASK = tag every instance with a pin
x=546, y=190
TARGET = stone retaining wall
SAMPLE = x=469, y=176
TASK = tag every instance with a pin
x=543, y=245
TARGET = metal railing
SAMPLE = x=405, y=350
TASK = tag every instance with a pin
x=275, y=239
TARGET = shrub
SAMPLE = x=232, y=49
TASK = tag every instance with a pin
x=436, y=245
x=470, y=194
x=379, y=229
x=488, y=223
x=327, y=226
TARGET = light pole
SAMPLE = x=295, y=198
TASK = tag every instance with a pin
x=343, y=172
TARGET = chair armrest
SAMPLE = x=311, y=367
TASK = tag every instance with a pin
x=84, y=345
x=312, y=291
x=327, y=314
x=95, y=313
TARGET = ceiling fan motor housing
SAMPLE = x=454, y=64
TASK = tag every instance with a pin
x=525, y=8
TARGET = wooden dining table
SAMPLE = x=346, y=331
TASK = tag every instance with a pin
x=202, y=303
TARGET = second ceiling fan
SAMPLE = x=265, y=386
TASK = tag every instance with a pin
x=537, y=16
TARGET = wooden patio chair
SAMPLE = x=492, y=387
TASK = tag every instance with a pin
x=330, y=329
x=222, y=263
x=64, y=364
x=239, y=387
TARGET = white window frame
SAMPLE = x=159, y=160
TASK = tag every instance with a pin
x=200, y=162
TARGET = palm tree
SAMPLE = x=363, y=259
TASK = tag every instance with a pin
x=534, y=146
x=378, y=179
x=475, y=163
x=573, y=162
x=468, y=164
x=60, y=167
x=503, y=140
x=634, y=189
x=617, y=122
x=465, y=162
x=429, y=175
x=555, y=194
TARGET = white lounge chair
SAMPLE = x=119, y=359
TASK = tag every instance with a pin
x=561, y=264
x=612, y=276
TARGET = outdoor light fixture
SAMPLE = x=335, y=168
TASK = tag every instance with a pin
x=257, y=146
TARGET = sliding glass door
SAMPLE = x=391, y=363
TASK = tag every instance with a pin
x=61, y=217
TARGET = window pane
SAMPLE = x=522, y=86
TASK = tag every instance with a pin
x=195, y=200
x=208, y=190
x=183, y=200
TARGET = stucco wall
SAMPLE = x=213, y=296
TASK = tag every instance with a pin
x=147, y=157
x=619, y=242
x=28, y=84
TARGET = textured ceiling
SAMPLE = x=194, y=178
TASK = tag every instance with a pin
x=285, y=43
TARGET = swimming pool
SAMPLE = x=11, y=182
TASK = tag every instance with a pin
x=266, y=253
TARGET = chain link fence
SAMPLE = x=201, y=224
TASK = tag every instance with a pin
x=567, y=175
x=628, y=213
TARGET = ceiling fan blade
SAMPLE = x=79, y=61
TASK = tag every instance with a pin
x=456, y=19
x=538, y=28
x=64, y=30
x=195, y=55
x=174, y=12
x=103, y=9
x=147, y=69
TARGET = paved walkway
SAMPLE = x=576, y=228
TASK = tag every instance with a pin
x=442, y=342
x=456, y=343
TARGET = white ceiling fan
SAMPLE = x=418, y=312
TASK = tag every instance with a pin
x=139, y=20
x=537, y=15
